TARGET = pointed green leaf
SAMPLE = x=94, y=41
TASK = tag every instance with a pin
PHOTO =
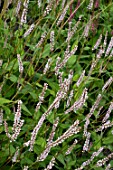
x=26, y=110
x=3, y=101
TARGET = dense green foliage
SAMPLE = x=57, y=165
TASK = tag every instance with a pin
x=27, y=85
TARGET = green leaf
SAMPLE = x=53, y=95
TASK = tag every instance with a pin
x=31, y=71
x=10, y=93
x=75, y=78
x=53, y=85
x=71, y=60
x=3, y=101
x=74, y=44
x=37, y=149
x=33, y=94
x=26, y=110
x=71, y=163
x=26, y=161
x=97, y=139
x=7, y=110
x=41, y=141
x=12, y=149
x=51, y=92
x=1, y=129
x=50, y=118
x=64, y=126
x=108, y=140
x=111, y=162
x=39, y=85
x=28, y=88
x=86, y=48
x=46, y=51
x=61, y=159
x=13, y=78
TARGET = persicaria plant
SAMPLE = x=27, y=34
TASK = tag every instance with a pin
x=56, y=79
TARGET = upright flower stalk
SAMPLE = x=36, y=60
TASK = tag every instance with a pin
x=18, y=123
x=29, y=30
x=63, y=3
x=60, y=95
x=14, y=159
x=69, y=98
x=48, y=8
x=67, y=55
x=43, y=36
x=71, y=147
x=25, y=168
x=21, y=69
x=73, y=30
x=24, y=13
x=98, y=42
x=41, y=97
x=1, y=116
x=18, y=7
x=105, y=41
x=47, y=66
x=90, y=6
x=51, y=136
x=94, y=62
x=20, y=64
x=86, y=29
x=81, y=78
x=107, y=115
x=39, y=3
x=52, y=43
x=51, y=164
x=73, y=129
x=108, y=167
x=104, y=160
x=109, y=47
x=78, y=104
x=108, y=83
x=93, y=108
x=95, y=154
x=87, y=141
x=1, y=62
x=104, y=126
x=62, y=15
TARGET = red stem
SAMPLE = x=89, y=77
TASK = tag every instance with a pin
x=72, y=14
